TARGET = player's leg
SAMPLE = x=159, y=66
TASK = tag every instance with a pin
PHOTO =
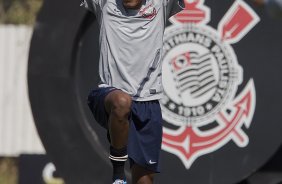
x=144, y=143
x=141, y=175
x=118, y=107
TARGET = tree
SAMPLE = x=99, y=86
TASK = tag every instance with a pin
x=19, y=11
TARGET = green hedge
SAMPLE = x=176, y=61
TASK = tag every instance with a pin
x=19, y=11
x=8, y=171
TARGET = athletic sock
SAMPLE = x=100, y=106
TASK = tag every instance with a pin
x=118, y=158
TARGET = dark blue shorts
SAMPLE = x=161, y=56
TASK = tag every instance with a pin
x=145, y=133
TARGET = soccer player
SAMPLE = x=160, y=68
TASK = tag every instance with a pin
x=126, y=100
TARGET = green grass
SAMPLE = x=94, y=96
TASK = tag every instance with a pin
x=8, y=171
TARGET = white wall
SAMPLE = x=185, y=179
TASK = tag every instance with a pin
x=17, y=131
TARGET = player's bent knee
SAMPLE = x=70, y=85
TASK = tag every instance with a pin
x=122, y=102
x=121, y=105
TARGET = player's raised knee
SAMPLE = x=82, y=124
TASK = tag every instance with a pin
x=120, y=105
x=122, y=102
x=118, y=102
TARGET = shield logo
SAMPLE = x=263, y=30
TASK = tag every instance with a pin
x=201, y=75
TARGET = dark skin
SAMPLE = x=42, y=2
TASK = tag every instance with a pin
x=118, y=106
x=259, y=2
x=132, y=4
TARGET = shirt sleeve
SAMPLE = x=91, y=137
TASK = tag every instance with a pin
x=91, y=5
x=172, y=7
x=274, y=8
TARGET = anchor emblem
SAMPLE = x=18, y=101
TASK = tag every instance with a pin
x=202, y=50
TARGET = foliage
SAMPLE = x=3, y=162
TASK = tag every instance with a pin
x=19, y=11
x=8, y=171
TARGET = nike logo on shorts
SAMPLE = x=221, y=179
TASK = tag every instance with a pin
x=151, y=162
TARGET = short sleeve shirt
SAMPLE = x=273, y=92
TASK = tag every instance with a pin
x=131, y=45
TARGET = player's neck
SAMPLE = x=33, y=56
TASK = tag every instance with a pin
x=132, y=4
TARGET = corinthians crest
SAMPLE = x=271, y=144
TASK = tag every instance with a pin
x=201, y=75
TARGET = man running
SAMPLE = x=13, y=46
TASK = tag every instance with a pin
x=126, y=101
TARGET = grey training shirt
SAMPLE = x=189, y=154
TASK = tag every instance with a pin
x=131, y=44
